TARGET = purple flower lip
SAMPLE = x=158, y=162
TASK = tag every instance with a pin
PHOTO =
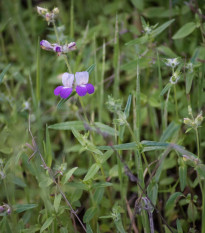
x=81, y=85
x=58, y=49
x=71, y=45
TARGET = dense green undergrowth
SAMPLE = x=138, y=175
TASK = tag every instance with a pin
x=130, y=156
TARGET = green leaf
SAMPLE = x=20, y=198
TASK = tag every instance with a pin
x=57, y=201
x=184, y=31
x=46, y=224
x=105, y=129
x=201, y=170
x=45, y=182
x=91, y=68
x=16, y=180
x=170, y=131
x=140, y=40
x=102, y=185
x=23, y=207
x=98, y=195
x=166, y=51
x=139, y=4
x=126, y=146
x=126, y=112
x=85, y=143
x=192, y=211
x=161, y=28
x=48, y=149
x=189, y=80
x=119, y=226
x=165, y=89
x=88, y=229
x=80, y=125
x=89, y=214
x=105, y=156
x=152, y=191
x=68, y=175
x=4, y=72
x=182, y=176
x=171, y=200
x=6, y=150
x=62, y=101
x=91, y=172
x=179, y=227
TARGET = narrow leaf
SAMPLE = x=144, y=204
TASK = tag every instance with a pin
x=4, y=72
x=92, y=171
x=171, y=200
x=161, y=28
x=46, y=224
x=68, y=175
x=185, y=30
x=89, y=214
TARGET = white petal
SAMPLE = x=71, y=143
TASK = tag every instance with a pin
x=81, y=78
x=67, y=80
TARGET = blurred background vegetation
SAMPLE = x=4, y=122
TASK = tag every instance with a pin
x=113, y=36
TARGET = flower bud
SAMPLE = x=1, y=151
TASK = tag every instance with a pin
x=42, y=11
x=199, y=119
x=188, y=122
x=56, y=11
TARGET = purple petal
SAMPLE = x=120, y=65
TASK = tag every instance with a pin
x=58, y=49
x=90, y=88
x=81, y=90
x=58, y=90
x=65, y=92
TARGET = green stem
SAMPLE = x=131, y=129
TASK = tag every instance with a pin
x=175, y=99
x=58, y=40
x=197, y=141
x=165, y=108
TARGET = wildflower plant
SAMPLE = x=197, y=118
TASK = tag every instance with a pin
x=120, y=160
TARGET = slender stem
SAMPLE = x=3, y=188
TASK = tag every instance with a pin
x=165, y=108
x=56, y=32
x=175, y=99
x=197, y=141
x=58, y=40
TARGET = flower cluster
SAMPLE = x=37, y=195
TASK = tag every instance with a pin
x=58, y=48
x=194, y=123
x=80, y=84
x=79, y=81
x=47, y=15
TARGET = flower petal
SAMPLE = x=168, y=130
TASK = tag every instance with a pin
x=65, y=92
x=81, y=78
x=90, y=88
x=58, y=90
x=81, y=90
x=46, y=45
x=67, y=80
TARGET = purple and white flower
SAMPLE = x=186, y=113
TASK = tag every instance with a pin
x=46, y=45
x=49, y=16
x=67, y=88
x=58, y=48
x=81, y=85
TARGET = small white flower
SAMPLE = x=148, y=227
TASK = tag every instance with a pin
x=172, y=62
x=189, y=67
x=175, y=77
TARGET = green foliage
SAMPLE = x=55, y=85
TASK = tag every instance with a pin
x=118, y=159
